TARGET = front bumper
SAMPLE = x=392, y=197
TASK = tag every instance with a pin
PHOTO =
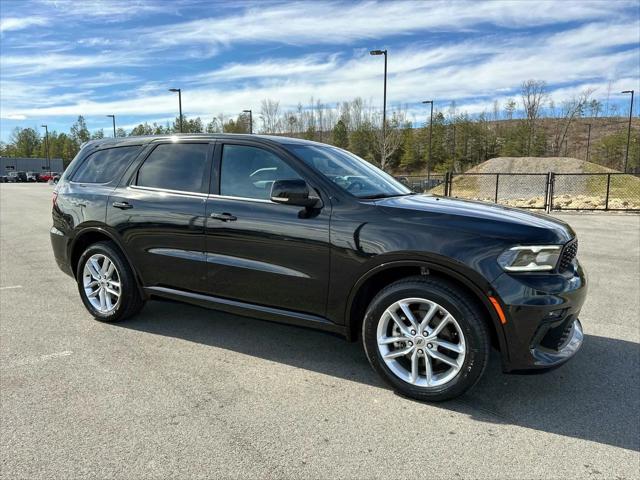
x=542, y=310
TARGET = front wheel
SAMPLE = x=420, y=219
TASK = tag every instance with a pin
x=427, y=338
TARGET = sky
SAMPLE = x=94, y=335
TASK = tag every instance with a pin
x=60, y=59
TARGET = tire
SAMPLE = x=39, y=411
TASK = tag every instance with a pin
x=127, y=303
x=466, y=335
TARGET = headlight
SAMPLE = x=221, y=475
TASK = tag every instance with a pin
x=534, y=258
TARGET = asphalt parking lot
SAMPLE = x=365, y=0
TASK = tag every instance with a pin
x=183, y=392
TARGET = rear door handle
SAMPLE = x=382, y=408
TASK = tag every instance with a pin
x=225, y=217
x=122, y=205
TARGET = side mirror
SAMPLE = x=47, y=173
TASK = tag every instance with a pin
x=294, y=192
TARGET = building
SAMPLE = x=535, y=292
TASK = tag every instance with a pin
x=17, y=164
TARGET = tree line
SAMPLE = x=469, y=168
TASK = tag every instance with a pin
x=531, y=125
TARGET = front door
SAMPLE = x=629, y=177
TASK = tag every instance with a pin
x=160, y=215
x=259, y=251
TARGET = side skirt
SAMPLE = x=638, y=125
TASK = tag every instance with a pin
x=248, y=309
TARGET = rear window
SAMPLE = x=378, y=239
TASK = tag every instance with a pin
x=104, y=166
x=175, y=166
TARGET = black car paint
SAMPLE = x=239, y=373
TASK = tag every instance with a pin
x=306, y=266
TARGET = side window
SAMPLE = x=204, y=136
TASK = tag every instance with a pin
x=179, y=166
x=105, y=165
x=249, y=172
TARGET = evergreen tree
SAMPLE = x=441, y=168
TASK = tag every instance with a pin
x=340, y=135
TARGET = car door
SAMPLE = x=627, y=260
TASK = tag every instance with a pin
x=159, y=214
x=259, y=251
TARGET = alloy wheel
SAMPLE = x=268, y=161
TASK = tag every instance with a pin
x=101, y=283
x=421, y=342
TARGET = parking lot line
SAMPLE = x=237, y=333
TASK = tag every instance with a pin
x=10, y=287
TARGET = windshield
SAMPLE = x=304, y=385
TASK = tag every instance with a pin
x=350, y=172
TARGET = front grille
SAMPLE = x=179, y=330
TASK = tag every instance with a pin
x=569, y=252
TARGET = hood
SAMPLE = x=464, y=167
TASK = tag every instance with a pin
x=491, y=218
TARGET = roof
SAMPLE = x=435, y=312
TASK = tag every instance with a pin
x=121, y=141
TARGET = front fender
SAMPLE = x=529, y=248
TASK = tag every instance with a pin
x=430, y=264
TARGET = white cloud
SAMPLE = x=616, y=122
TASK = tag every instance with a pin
x=11, y=23
x=472, y=69
x=304, y=23
x=29, y=64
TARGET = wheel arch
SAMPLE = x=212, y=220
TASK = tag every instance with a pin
x=369, y=284
x=90, y=235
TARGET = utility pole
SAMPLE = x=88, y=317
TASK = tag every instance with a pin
x=113, y=117
x=384, y=105
x=588, y=140
x=626, y=156
x=179, y=103
x=46, y=146
x=250, y=120
x=430, y=136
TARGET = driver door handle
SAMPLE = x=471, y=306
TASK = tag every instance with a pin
x=225, y=217
x=122, y=205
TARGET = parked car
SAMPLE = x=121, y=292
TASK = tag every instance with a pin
x=55, y=178
x=308, y=234
x=3, y=178
x=16, y=177
x=47, y=176
x=33, y=177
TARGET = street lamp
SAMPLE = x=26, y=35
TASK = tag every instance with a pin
x=46, y=146
x=384, y=104
x=179, y=103
x=250, y=120
x=430, y=135
x=588, y=140
x=626, y=156
x=113, y=117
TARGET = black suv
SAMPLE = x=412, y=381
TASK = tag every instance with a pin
x=308, y=234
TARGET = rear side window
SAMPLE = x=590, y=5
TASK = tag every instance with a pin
x=104, y=166
x=175, y=167
x=249, y=172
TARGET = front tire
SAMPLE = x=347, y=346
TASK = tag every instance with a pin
x=427, y=338
x=107, y=284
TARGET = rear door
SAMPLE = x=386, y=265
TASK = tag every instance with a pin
x=259, y=251
x=82, y=198
x=159, y=213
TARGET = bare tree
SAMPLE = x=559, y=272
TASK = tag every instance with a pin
x=389, y=139
x=270, y=116
x=533, y=96
x=571, y=109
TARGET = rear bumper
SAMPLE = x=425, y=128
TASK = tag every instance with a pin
x=542, y=329
x=60, y=243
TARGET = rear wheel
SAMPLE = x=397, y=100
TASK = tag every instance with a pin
x=426, y=338
x=106, y=283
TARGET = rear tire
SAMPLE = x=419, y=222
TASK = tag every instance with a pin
x=106, y=283
x=432, y=359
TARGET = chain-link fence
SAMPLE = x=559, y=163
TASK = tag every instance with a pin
x=594, y=191
x=545, y=191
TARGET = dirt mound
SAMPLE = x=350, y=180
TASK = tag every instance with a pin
x=538, y=165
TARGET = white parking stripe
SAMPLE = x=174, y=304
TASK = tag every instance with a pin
x=34, y=360
x=10, y=287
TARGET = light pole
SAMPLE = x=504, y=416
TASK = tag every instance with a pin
x=384, y=105
x=46, y=146
x=250, y=120
x=113, y=117
x=588, y=140
x=626, y=156
x=430, y=136
x=179, y=103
